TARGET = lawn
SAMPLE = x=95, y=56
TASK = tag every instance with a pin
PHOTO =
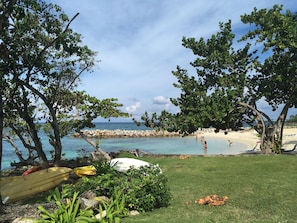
x=260, y=189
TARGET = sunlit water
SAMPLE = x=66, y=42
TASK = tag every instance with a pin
x=73, y=147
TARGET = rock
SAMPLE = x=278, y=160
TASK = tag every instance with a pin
x=134, y=212
x=119, y=133
x=88, y=194
x=101, y=215
x=23, y=220
x=89, y=199
x=89, y=203
x=102, y=199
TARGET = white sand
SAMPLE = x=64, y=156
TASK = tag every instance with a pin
x=249, y=137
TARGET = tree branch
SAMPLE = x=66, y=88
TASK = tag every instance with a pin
x=259, y=114
x=53, y=41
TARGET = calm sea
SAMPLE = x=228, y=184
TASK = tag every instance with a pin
x=73, y=147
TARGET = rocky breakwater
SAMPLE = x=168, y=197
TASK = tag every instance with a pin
x=119, y=133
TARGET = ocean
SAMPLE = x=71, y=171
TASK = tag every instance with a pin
x=74, y=147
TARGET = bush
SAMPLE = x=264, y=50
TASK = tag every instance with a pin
x=144, y=189
x=147, y=189
x=68, y=211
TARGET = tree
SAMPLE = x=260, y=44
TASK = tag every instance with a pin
x=292, y=119
x=208, y=98
x=42, y=62
x=275, y=78
x=229, y=83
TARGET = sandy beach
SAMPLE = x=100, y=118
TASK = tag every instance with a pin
x=249, y=137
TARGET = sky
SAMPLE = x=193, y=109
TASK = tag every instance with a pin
x=139, y=44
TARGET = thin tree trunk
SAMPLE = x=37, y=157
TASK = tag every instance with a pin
x=271, y=137
x=104, y=154
x=16, y=150
x=1, y=142
x=37, y=143
x=279, y=127
x=1, y=129
x=260, y=117
x=57, y=139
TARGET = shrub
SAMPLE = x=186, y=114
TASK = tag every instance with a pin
x=147, y=189
x=67, y=211
x=144, y=189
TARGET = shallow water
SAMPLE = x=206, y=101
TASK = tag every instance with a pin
x=172, y=145
x=73, y=147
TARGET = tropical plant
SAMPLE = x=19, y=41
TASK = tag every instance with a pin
x=68, y=210
x=113, y=210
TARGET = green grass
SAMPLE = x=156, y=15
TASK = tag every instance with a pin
x=260, y=189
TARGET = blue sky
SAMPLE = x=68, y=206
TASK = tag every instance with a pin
x=139, y=44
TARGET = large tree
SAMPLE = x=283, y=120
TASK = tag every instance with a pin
x=42, y=60
x=229, y=83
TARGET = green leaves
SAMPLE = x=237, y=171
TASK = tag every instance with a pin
x=275, y=32
x=207, y=98
x=68, y=210
x=141, y=189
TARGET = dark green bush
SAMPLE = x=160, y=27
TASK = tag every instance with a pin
x=147, y=189
x=144, y=189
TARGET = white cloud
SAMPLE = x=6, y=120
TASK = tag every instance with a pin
x=133, y=108
x=161, y=100
x=139, y=42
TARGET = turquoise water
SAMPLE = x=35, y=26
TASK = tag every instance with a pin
x=73, y=147
x=173, y=145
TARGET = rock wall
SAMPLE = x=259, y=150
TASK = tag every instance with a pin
x=119, y=133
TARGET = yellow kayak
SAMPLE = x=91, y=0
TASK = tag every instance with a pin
x=5, y=180
x=22, y=187
x=85, y=171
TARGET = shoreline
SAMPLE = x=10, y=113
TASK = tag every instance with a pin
x=249, y=137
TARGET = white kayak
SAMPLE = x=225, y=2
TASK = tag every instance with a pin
x=124, y=164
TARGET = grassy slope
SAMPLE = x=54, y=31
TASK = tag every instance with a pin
x=260, y=189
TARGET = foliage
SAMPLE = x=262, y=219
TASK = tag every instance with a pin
x=229, y=83
x=144, y=190
x=42, y=60
x=104, y=167
x=161, y=122
x=147, y=189
x=68, y=211
x=292, y=119
x=115, y=209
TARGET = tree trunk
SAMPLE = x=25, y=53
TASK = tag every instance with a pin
x=268, y=141
x=57, y=139
x=1, y=142
x=102, y=153
x=1, y=128
x=15, y=148
x=275, y=134
x=37, y=143
x=271, y=136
